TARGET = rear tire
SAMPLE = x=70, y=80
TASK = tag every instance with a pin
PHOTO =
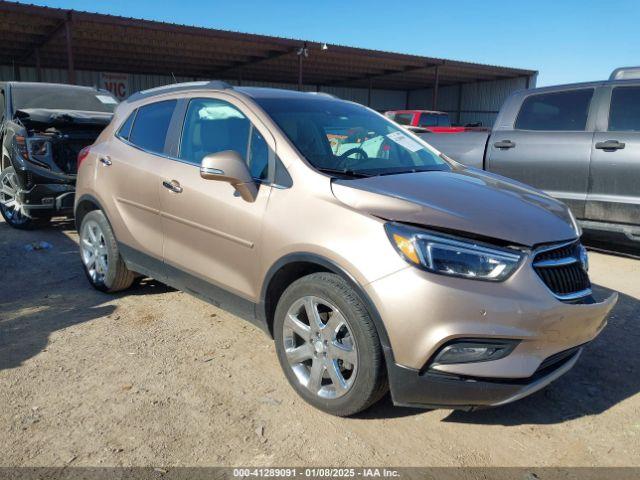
x=103, y=265
x=334, y=359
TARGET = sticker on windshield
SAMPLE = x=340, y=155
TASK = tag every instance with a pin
x=106, y=99
x=408, y=143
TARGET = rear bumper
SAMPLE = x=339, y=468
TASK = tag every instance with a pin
x=433, y=389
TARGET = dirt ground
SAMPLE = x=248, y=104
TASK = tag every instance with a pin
x=154, y=377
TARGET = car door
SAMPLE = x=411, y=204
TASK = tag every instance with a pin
x=614, y=194
x=548, y=146
x=131, y=173
x=212, y=235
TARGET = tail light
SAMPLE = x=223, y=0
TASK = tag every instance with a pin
x=82, y=154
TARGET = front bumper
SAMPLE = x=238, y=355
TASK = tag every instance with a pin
x=48, y=197
x=44, y=191
x=422, y=311
x=411, y=388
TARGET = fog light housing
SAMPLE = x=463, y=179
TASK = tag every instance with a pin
x=473, y=351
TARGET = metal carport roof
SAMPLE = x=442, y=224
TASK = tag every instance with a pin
x=44, y=37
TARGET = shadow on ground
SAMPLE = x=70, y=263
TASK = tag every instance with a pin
x=46, y=290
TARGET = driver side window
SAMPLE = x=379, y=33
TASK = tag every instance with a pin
x=213, y=126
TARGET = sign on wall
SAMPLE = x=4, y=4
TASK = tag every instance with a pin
x=116, y=83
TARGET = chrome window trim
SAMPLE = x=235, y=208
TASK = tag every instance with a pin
x=169, y=157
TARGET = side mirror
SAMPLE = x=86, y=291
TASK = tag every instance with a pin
x=229, y=166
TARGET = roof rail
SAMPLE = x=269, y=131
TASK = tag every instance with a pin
x=177, y=87
x=625, y=73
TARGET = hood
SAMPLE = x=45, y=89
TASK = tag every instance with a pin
x=49, y=117
x=463, y=200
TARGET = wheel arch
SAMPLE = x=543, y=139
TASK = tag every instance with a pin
x=85, y=204
x=293, y=266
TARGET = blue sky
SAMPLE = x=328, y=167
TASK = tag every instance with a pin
x=566, y=40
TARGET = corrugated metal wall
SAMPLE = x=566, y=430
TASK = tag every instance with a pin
x=478, y=102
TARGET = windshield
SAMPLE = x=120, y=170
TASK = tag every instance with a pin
x=344, y=137
x=61, y=98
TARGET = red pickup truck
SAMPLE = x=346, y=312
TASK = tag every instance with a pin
x=432, y=120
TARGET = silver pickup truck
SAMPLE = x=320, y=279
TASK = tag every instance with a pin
x=579, y=143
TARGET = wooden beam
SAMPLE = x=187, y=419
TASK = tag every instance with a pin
x=434, y=100
x=300, y=54
x=385, y=73
x=255, y=60
x=38, y=66
x=69, y=38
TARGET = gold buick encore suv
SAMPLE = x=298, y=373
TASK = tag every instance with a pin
x=374, y=261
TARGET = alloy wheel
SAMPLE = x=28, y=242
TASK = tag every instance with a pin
x=93, y=249
x=320, y=347
x=9, y=201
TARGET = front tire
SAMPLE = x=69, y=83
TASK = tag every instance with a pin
x=103, y=265
x=328, y=346
x=10, y=207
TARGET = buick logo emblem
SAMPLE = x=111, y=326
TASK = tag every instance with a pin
x=584, y=258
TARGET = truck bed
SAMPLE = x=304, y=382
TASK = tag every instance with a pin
x=467, y=147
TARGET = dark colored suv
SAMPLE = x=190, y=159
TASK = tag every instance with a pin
x=43, y=128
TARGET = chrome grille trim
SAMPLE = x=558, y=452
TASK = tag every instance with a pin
x=560, y=268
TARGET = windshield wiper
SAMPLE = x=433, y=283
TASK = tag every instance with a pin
x=412, y=170
x=346, y=172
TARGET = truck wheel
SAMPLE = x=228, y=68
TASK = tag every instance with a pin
x=328, y=346
x=10, y=207
x=100, y=256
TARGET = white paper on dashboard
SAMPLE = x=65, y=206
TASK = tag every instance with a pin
x=401, y=139
x=107, y=99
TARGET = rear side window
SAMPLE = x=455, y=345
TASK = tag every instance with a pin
x=561, y=111
x=151, y=124
x=434, y=120
x=125, y=129
x=403, y=118
x=624, y=114
x=213, y=126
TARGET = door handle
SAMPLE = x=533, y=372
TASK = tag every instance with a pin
x=106, y=161
x=504, y=144
x=172, y=185
x=610, y=145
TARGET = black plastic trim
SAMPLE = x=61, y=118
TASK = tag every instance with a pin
x=433, y=389
x=334, y=268
x=177, y=278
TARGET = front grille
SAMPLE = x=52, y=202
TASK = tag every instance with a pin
x=561, y=269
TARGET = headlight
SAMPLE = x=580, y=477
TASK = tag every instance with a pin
x=453, y=256
x=39, y=149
